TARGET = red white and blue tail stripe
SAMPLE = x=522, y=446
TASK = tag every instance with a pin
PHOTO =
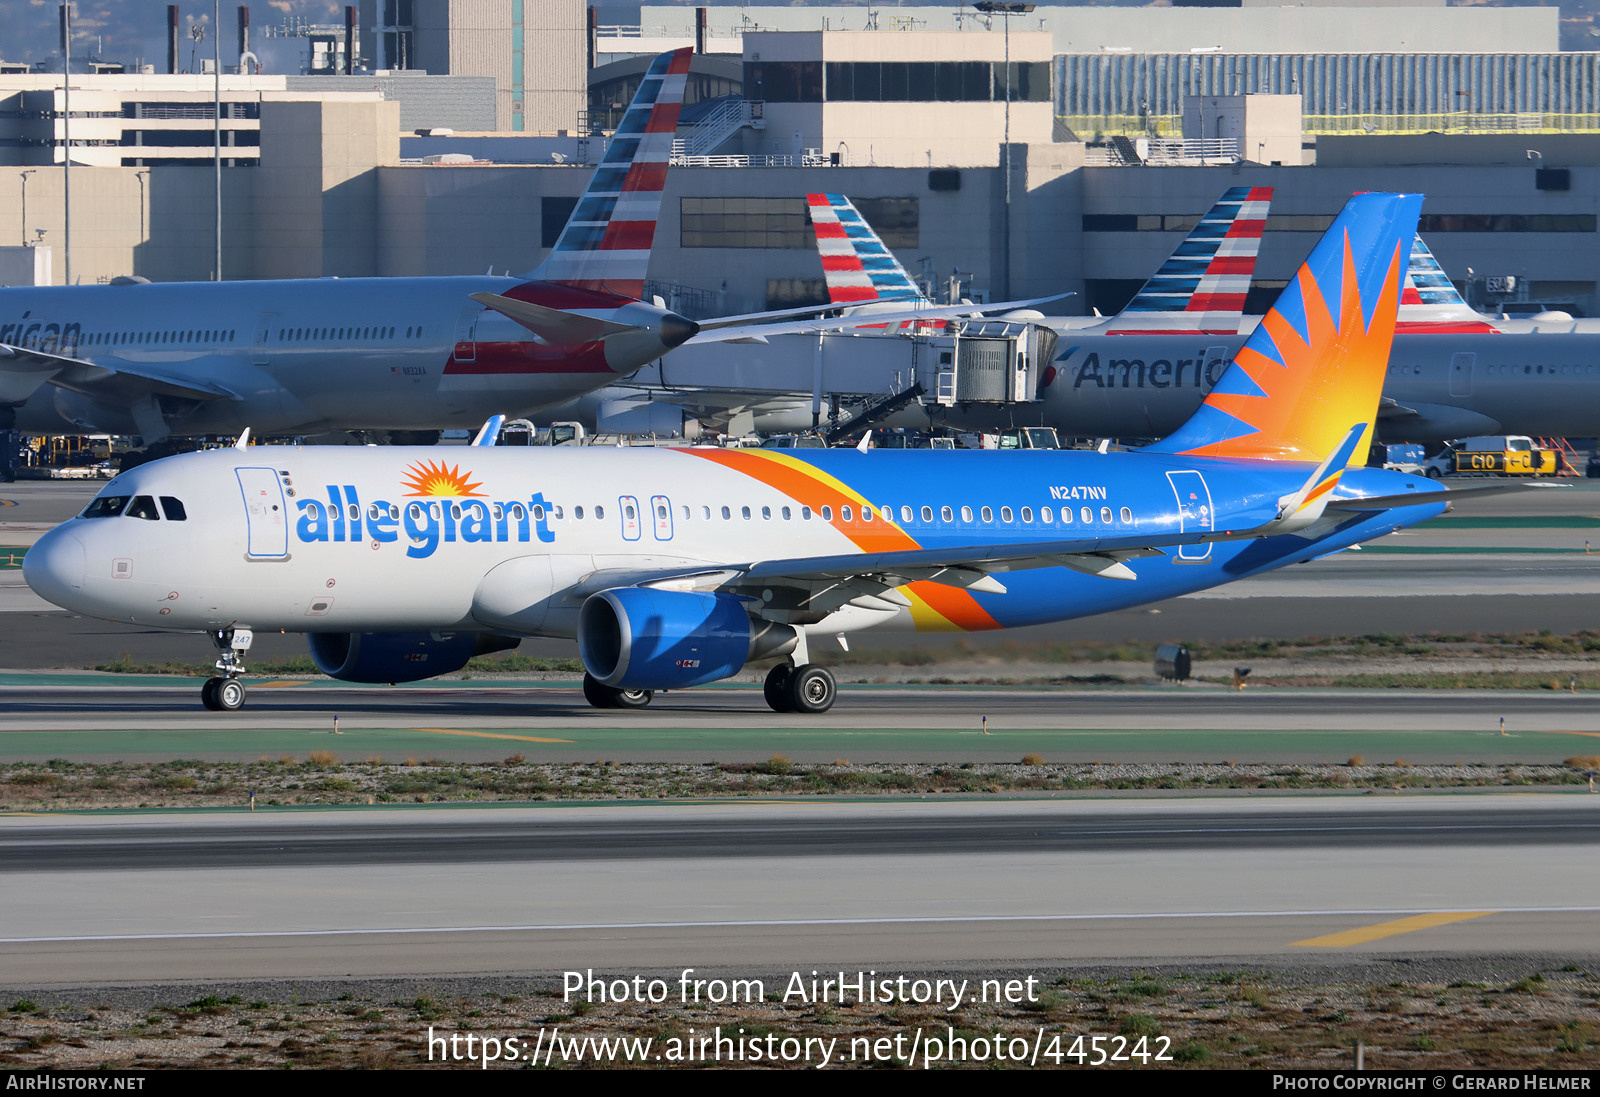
x=855, y=262
x=1429, y=302
x=606, y=243
x=1201, y=288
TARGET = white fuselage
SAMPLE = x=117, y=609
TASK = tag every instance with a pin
x=292, y=356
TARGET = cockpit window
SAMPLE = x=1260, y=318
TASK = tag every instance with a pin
x=106, y=506
x=143, y=507
x=173, y=509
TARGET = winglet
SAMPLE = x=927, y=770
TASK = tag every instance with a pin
x=489, y=433
x=1301, y=508
x=865, y=443
x=244, y=439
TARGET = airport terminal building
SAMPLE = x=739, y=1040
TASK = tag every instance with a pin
x=910, y=120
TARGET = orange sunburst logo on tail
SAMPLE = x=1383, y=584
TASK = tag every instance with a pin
x=436, y=479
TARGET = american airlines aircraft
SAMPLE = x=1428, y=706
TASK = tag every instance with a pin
x=307, y=355
x=1452, y=373
x=674, y=568
x=1200, y=289
x=310, y=355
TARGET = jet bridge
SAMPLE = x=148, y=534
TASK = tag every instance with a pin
x=983, y=362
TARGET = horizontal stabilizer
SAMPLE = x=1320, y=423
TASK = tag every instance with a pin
x=1442, y=495
x=555, y=326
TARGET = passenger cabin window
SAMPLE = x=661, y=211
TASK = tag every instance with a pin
x=106, y=506
x=173, y=509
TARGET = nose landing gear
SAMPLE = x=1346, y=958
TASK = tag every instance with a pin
x=226, y=692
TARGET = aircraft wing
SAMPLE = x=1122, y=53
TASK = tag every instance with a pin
x=759, y=333
x=23, y=370
x=812, y=587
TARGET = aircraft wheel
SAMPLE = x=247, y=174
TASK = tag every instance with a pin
x=812, y=689
x=631, y=698
x=229, y=694
x=208, y=694
x=776, y=688
x=598, y=695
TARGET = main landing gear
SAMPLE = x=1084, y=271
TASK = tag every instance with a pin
x=807, y=688
x=600, y=695
x=226, y=693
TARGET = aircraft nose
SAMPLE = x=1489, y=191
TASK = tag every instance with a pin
x=674, y=330
x=55, y=566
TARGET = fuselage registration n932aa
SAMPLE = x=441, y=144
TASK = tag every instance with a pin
x=674, y=568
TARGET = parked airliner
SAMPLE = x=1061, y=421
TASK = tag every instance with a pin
x=675, y=568
x=311, y=355
x=1200, y=289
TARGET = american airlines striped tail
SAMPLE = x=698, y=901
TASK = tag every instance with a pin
x=1429, y=303
x=606, y=242
x=1201, y=288
x=855, y=262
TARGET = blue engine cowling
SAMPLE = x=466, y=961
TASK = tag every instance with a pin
x=399, y=656
x=638, y=638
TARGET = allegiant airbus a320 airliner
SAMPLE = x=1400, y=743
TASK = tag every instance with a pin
x=674, y=568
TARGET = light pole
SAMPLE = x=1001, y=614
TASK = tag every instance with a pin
x=216, y=120
x=66, y=141
x=141, y=175
x=25, y=175
x=1005, y=10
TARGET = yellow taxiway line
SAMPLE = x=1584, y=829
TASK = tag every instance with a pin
x=1388, y=929
x=492, y=735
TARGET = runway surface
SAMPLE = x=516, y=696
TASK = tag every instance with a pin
x=97, y=719
x=735, y=886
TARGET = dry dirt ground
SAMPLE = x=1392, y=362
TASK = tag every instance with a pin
x=1413, y=1014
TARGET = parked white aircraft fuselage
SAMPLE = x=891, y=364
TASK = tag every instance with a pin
x=1437, y=386
x=304, y=355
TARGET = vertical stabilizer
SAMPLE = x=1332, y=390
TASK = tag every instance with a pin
x=855, y=262
x=1430, y=304
x=606, y=242
x=1201, y=287
x=1315, y=365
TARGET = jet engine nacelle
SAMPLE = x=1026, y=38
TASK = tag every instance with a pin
x=399, y=656
x=640, y=638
